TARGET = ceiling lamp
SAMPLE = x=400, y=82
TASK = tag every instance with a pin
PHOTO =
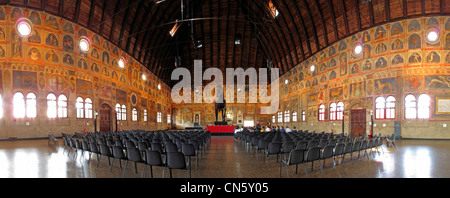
x=174, y=29
x=432, y=36
x=84, y=44
x=144, y=77
x=159, y=86
x=24, y=27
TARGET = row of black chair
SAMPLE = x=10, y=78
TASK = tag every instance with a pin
x=147, y=154
x=319, y=147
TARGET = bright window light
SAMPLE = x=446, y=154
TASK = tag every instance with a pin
x=121, y=63
x=432, y=36
x=84, y=44
x=24, y=27
x=358, y=49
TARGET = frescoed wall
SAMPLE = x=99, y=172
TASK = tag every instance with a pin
x=396, y=60
x=49, y=61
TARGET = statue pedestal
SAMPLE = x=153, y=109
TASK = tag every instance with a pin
x=220, y=123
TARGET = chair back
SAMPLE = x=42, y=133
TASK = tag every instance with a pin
x=296, y=156
x=302, y=145
x=153, y=158
x=133, y=154
x=85, y=145
x=94, y=148
x=339, y=150
x=348, y=148
x=117, y=152
x=287, y=147
x=313, y=154
x=157, y=147
x=104, y=150
x=188, y=149
x=171, y=147
x=176, y=160
x=274, y=148
x=327, y=152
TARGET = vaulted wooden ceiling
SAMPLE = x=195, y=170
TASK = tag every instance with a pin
x=301, y=29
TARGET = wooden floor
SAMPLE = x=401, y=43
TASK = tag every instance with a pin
x=226, y=158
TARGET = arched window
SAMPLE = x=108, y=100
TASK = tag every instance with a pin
x=62, y=106
x=118, y=112
x=80, y=107
x=88, y=108
x=303, y=116
x=340, y=111
x=169, y=119
x=19, y=105
x=390, y=107
x=145, y=115
x=31, y=105
x=423, y=106
x=322, y=112
x=380, y=105
x=294, y=116
x=124, y=112
x=280, y=117
x=273, y=119
x=51, y=106
x=135, y=115
x=333, y=111
x=287, y=116
x=158, y=117
x=410, y=107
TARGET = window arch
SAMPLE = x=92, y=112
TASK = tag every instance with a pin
x=19, y=105
x=145, y=115
x=51, y=106
x=134, y=115
x=88, y=108
x=124, y=112
x=340, y=111
x=380, y=104
x=390, y=107
x=410, y=107
x=423, y=106
x=321, y=112
x=24, y=107
x=333, y=111
x=294, y=116
x=118, y=112
x=31, y=105
x=79, y=105
x=62, y=106
x=287, y=116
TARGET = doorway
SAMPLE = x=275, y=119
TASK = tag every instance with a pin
x=358, y=122
x=105, y=118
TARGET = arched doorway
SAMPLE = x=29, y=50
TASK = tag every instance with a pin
x=105, y=118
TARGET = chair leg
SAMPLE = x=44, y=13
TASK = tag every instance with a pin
x=112, y=164
x=125, y=169
x=321, y=169
x=287, y=170
x=99, y=157
x=143, y=171
x=306, y=170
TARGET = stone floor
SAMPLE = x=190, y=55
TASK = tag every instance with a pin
x=225, y=158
